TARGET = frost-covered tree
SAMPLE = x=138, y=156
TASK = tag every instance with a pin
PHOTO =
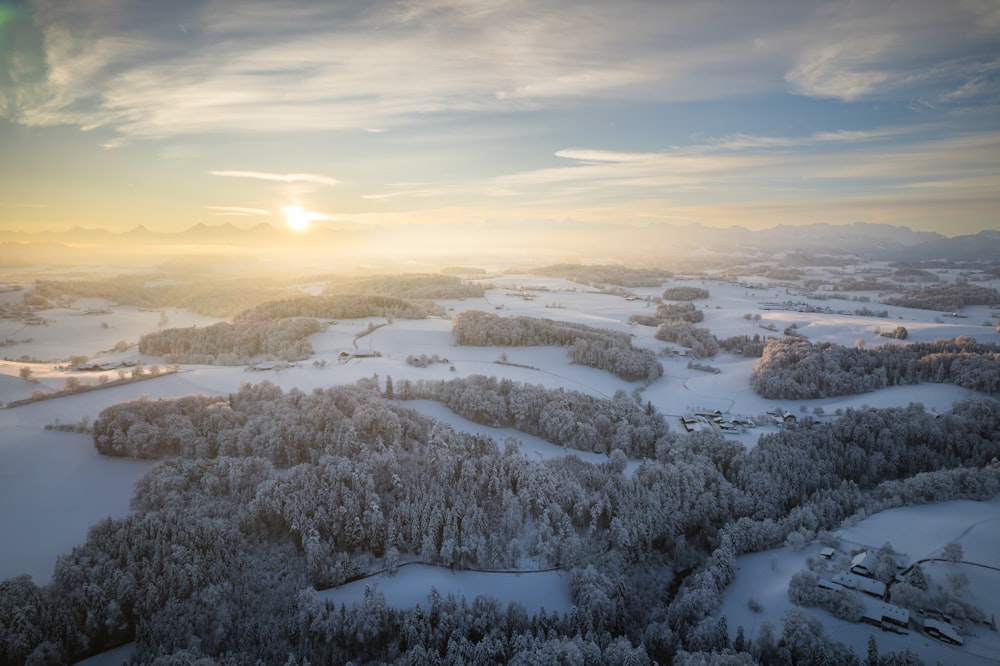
x=952, y=552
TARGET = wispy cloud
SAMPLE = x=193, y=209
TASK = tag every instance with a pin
x=304, y=65
x=886, y=50
x=751, y=169
x=312, y=178
x=420, y=190
x=238, y=210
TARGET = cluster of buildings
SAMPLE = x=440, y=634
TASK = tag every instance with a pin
x=860, y=577
x=714, y=420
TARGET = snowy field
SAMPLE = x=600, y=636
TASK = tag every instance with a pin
x=916, y=531
x=53, y=485
x=412, y=585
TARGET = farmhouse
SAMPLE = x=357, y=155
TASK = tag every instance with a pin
x=869, y=586
x=828, y=584
x=864, y=564
x=942, y=631
x=690, y=424
x=96, y=367
x=880, y=614
x=269, y=365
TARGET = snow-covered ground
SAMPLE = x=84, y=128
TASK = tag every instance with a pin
x=87, y=328
x=411, y=585
x=916, y=531
x=54, y=485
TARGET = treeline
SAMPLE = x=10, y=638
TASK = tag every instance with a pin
x=341, y=307
x=74, y=385
x=778, y=273
x=865, y=284
x=215, y=561
x=276, y=329
x=700, y=341
x=948, y=296
x=598, y=275
x=409, y=285
x=907, y=274
x=215, y=297
x=670, y=312
x=750, y=346
x=251, y=422
x=481, y=329
x=675, y=322
x=796, y=369
x=684, y=293
x=233, y=344
x=566, y=418
x=599, y=348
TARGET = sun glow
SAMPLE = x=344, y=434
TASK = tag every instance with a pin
x=296, y=218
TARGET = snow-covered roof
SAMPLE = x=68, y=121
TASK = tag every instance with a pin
x=863, y=563
x=944, y=630
x=861, y=583
x=880, y=610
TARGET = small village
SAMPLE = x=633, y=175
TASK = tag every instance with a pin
x=859, y=579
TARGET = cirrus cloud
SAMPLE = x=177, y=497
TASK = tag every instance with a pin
x=311, y=178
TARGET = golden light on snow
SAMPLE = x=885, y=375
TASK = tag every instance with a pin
x=296, y=218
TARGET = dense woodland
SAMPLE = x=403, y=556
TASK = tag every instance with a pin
x=947, y=296
x=670, y=312
x=233, y=344
x=796, y=369
x=564, y=417
x=675, y=322
x=275, y=329
x=350, y=306
x=699, y=341
x=594, y=347
x=265, y=494
x=684, y=293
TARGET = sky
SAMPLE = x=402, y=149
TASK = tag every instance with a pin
x=115, y=113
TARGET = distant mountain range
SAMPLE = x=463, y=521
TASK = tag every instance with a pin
x=525, y=242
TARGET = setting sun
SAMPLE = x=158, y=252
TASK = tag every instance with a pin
x=296, y=218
